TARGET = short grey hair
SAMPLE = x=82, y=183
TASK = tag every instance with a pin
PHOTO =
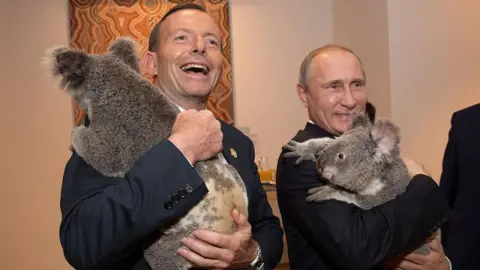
x=307, y=62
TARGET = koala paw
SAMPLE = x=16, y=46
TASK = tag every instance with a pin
x=321, y=193
x=301, y=150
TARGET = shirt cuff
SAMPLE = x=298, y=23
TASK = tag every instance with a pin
x=449, y=263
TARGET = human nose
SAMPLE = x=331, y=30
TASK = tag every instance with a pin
x=199, y=46
x=348, y=100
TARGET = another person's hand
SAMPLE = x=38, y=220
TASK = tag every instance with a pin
x=436, y=260
x=415, y=168
x=197, y=134
x=213, y=250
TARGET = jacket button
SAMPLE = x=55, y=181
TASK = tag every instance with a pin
x=188, y=188
x=182, y=193
x=168, y=205
x=175, y=198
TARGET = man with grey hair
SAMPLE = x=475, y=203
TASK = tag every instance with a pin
x=334, y=234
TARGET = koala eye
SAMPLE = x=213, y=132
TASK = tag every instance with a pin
x=341, y=156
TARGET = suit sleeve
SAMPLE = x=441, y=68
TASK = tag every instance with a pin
x=266, y=228
x=104, y=220
x=351, y=238
x=449, y=177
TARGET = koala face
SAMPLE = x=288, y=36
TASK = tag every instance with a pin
x=357, y=158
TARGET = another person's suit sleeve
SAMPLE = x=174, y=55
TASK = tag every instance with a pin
x=351, y=238
x=266, y=228
x=105, y=219
x=449, y=177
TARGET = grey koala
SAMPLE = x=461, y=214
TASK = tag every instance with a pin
x=128, y=116
x=362, y=167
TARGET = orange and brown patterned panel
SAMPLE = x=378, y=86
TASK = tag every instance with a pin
x=94, y=24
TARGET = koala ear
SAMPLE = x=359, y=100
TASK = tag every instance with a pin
x=386, y=136
x=69, y=64
x=360, y=120
x=125, y=49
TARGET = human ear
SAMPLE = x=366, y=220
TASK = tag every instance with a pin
x=302, y=94
x=149, y=62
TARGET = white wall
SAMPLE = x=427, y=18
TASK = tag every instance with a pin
x=363, y=27
x=434, y=70
x=36, y=123
x=270, y=38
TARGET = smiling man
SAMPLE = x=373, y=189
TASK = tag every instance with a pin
x=334, y=234
x=108, y=222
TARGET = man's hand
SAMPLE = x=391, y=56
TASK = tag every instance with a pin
x=197, y=135
x=436, y=260
x=221, y=251
x=415, y=168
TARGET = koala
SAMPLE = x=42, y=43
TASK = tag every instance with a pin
x=128, y=116
x=362, y=167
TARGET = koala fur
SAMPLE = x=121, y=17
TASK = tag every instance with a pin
x=363, y=166
x=128, y=116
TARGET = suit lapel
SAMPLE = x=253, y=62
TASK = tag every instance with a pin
x=231, y=153
x=316, y=131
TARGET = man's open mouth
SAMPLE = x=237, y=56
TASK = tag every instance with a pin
x=195, y=69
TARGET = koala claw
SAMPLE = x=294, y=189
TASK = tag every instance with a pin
x=300, y=150
x=319, y=193
x=314, y=190
x=291, y=146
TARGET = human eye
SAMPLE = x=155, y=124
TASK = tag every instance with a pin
x=336, y=86
x=180, y=37
x=213, y=42
x=358, y=84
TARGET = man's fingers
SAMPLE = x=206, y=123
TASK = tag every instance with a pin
x=208, y=251
x=241, y=221
x=416, y=258
x=199, y=261
x=407, y=265
x=213, y=238
x=436, y=244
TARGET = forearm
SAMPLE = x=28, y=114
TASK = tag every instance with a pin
x=103, y=226
x=355, y=239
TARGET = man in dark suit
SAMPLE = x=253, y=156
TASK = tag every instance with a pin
x=334, y=234
x=460, y=182
x=108, y=222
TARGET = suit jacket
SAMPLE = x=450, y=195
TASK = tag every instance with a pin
x=460, y=182
x=107, y=222
x=337, y=235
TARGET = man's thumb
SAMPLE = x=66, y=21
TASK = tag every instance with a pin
x=240, y=220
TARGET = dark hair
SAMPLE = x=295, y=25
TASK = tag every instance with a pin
x=370, y=111
x=155, y=34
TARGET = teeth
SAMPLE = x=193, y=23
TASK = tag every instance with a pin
x=188, y=66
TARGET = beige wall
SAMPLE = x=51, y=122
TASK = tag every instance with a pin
x=363, y=27
x=36, y=123
x=270, y=39
x=434, y=70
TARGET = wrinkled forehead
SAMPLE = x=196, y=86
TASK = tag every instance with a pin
x=336, y=65
x=190, y=20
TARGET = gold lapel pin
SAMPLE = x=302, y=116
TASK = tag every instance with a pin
x=233, y=153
